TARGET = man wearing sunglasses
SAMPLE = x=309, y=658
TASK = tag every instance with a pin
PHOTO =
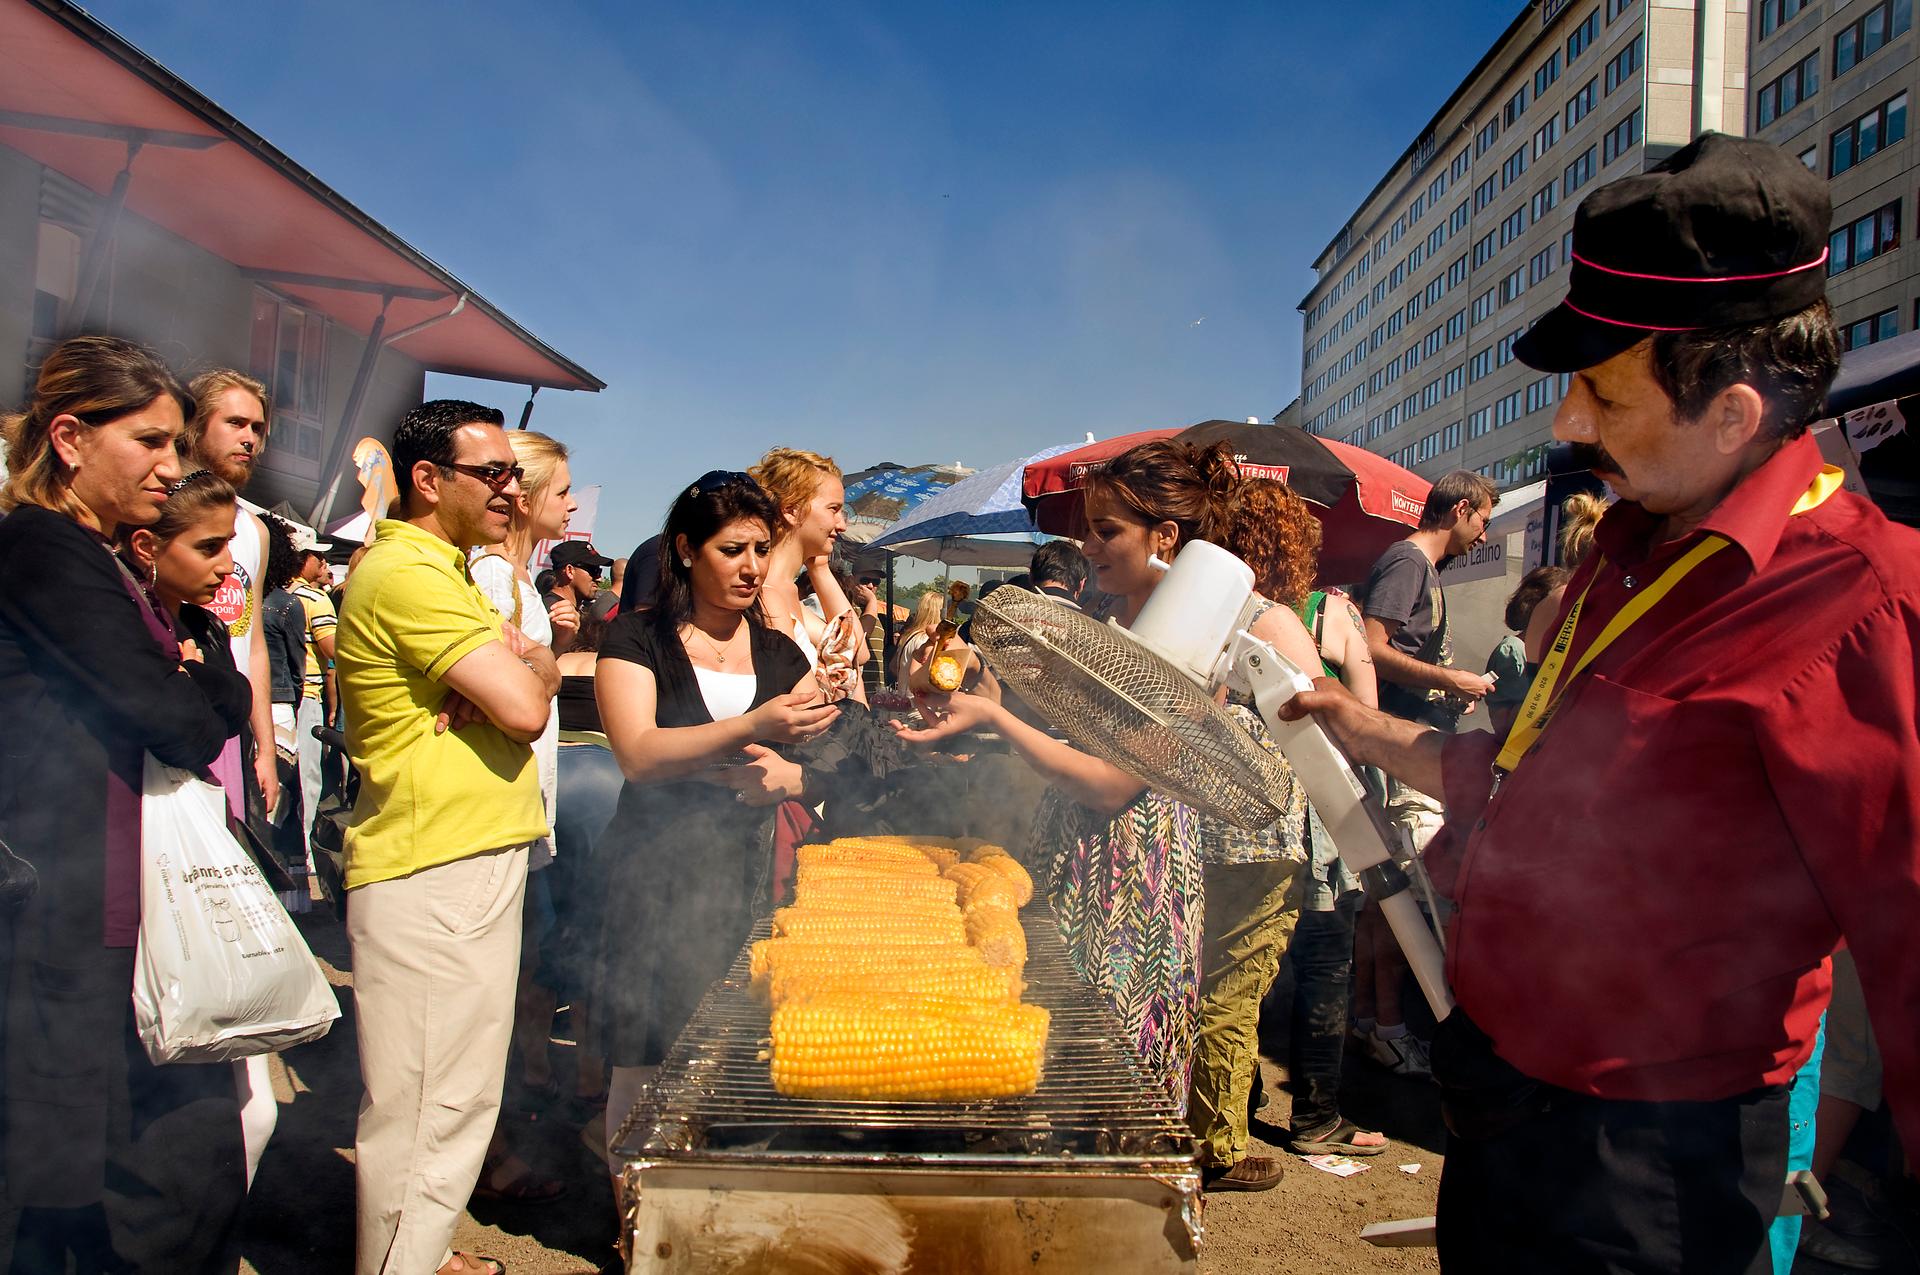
x=442, y=700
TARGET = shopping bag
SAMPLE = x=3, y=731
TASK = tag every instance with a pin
x=221, y=972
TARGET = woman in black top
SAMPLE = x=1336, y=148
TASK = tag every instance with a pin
x=689, y=693
x=109, y=1159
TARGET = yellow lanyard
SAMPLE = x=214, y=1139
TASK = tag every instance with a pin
x=1544, y=696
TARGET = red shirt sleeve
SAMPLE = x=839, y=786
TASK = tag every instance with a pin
x=1841, y=748
x=1466, y=782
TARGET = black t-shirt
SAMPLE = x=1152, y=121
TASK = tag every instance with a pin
x=1404, y=589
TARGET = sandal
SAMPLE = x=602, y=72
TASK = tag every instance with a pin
x=1342, y=1137
x=476, y=1262
x=520, y=1187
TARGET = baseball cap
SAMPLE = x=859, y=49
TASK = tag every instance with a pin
x=1725, y=231
x=578, y=553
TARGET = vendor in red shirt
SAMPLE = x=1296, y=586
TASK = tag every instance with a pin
x=1715, y=778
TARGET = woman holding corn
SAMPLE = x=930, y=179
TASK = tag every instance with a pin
x=1127, y=880
x=697, y=695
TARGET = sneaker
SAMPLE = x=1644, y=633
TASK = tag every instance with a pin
x=1403, y=1055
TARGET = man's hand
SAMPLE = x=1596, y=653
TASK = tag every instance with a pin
x=764, y=780
x=1405, y=750
x=266, y=772
x=456, y=710
x=1470, y=686
x=565, y=617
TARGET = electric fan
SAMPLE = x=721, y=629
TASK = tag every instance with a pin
x=1141, y=698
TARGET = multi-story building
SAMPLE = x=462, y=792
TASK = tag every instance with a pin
x=1409, y=330
x=1830, y=82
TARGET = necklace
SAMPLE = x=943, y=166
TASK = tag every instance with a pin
x=719, y=651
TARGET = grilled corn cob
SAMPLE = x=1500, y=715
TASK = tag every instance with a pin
x=886, y=858
x=981, y=884
x=936, y=849
x=875, y=926
x=775, y=955
x=864, y=1047
x=996, y=934
x=879, y=888
x=1009, y=868
x=949, y=979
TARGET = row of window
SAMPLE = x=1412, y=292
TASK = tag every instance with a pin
x=1867, y=136
x=1863, y=239
x=1869, y=33
x=1780, y=95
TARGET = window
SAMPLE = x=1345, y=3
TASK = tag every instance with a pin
x=1481, y=422
x=1483, y=194
x=1504, y=351
x=1776, y=13
x=1456, y=326
x=1617, y=7
x=1580, y=105
x=1549, y=72
x=1864, y=38
x=1513, y=227
x=1513, y=285
x=1462, y=163
x=1399, y=228
x=1416, y=209
x=1781, y=95
x=1483, y=306
x=1456, y=380
x=1516, y=107
x=1436, y=237
x=1621, y=138
x=1457, y=222
x=1876, y=327
x=1510, y=171
x=1542, y=393
x=1541, y=266
x=1544, y=199
x=1415, y=304
x=1811, y=158
x=1435, y=290
x=289, y=354
x=1434, y=343
x=1488, y=136
x=1507, y=410
x=1868, y=135
x=1457, y=272
x=1397, y=275
x=1873, y=235
x=1548, y=134
x=1480, y=365
x=1578, y=173
x=1485, y=247
x=1414, y=258
x=1583, y=35
x=1626, y=62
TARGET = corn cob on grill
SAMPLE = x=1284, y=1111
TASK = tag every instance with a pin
x=890, y=926
x=948, y=980
x=863, y=1047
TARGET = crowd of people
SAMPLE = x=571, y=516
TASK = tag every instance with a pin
x=1702, y=778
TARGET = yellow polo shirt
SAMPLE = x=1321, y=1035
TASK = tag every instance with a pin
x=412, y=612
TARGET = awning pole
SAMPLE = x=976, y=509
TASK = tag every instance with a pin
x=350, y=415
x=526, y=413
x=886, y=625
x=93, y=265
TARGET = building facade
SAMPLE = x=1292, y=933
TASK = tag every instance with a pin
x=1409, y=328
x=1831, y=81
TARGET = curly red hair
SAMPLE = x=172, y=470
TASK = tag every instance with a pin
x=1273, y=531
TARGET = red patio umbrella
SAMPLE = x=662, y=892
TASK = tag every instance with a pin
x=1364, y=502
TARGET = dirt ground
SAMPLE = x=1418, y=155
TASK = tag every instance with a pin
x=300, y=1218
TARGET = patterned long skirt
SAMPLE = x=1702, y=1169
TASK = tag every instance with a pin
x=1127, y=896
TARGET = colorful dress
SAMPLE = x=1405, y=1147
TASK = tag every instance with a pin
x=1127, y=897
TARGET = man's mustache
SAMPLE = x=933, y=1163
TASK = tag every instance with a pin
x=1575, y=457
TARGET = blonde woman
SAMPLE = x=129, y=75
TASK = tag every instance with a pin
x=812, y=499
x=926, y=618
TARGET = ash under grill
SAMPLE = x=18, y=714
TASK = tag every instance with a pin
x=714, y=1098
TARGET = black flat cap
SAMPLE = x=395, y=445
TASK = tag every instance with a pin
x=1726, y=231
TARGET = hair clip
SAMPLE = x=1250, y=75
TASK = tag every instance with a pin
x=194, y=477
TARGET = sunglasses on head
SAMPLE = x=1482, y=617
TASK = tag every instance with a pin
x=714, y=479
x=495, y=476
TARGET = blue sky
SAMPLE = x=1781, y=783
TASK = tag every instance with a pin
x=908, y=231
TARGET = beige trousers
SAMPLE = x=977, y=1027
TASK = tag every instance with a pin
x=435, y=958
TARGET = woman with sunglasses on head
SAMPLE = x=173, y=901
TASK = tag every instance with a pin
x=93, y=677
x=697, y=695
x=806, y=487
x=1127, y=882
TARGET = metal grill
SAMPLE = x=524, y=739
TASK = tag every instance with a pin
x=714, y=1098
x=1118, y=700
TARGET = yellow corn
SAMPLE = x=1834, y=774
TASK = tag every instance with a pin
x=879, y=888
x=772, y=956
x=981, y=884
x=1009, y=868
x=883, y=858
x=890, y=926
x=937, y=849
x=996, y=934
x=861, y=1047
x=946, y=978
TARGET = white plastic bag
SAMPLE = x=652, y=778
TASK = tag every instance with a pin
x=221, y=972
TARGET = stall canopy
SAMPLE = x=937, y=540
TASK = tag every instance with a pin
x=978, y=521
x=1876, y=373
x=81, y=100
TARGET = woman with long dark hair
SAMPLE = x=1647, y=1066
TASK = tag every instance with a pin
x=111, y=1162
x=696, y=696
x=1127, y=882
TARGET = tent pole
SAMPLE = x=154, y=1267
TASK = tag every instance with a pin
x=886, y=627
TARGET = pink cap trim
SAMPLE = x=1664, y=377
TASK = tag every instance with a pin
x=1619, y=323
x=1821, y=260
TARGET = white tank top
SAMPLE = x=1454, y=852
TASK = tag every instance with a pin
x=727, y=694
x=234, y=604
